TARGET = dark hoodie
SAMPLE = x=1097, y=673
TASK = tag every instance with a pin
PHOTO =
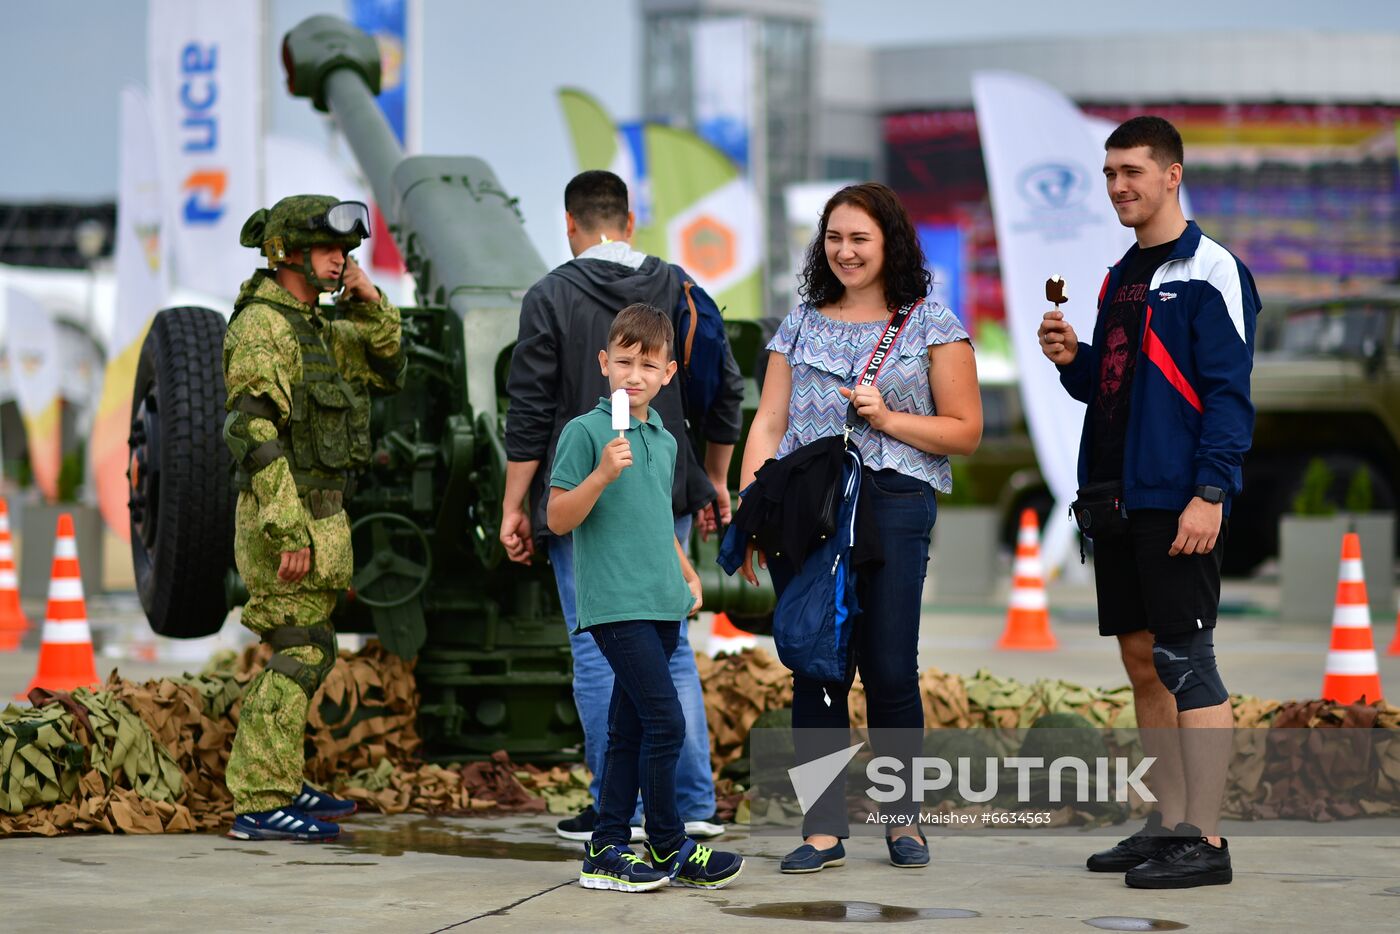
x=555, y=377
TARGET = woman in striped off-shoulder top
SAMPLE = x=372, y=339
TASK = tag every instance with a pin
x=865, y=263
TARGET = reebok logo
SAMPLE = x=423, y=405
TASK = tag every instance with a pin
x=1166, y=296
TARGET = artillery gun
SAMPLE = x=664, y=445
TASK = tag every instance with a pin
x=431, y=579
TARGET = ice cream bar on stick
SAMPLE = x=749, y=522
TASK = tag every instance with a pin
x=1055, y=291
x=621, y=412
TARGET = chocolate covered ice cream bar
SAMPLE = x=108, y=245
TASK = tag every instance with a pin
x=1055, y=290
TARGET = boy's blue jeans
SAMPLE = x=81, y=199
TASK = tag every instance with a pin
x=593, y=684
x=646, y=730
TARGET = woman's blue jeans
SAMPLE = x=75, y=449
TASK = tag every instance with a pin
x=884, y=647
x=646, y=730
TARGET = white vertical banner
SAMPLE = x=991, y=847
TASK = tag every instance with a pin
x=35, y=363
x=1053, y=217
x=722, y=56
x=143, y=287
x=205, y=72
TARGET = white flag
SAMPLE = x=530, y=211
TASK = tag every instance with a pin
x=143, y=288
x=35, y=363
x=205, y=69
x=1053, y=217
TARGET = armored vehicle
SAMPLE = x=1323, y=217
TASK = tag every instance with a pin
x=431, y=579
x=1326, y=384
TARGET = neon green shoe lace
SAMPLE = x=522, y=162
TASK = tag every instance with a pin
x=701, y=856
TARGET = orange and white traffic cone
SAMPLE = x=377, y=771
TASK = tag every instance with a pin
x=1395, y=643
x=1028, y=618
x=726, y=637
x=65, y=655
x=13, y=624
x=1351, y=673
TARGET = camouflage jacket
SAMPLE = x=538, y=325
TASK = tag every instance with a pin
x=262, y=357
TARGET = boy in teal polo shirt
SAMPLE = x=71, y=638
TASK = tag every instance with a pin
x=634, y=586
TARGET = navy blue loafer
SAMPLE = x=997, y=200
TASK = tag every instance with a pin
x=908, y=852
x=807, y=858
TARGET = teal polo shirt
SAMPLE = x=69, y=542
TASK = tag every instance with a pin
x=625, y=563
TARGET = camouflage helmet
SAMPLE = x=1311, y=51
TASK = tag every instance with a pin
x=299, y=222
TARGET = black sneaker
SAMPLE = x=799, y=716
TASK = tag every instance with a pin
x=711, y=826
x=619, y=869
x=580, y=827
x=697, y=866
x=1188, y=861
x=1130, y=851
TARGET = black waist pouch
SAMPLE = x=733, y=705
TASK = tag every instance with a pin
x=1099, y=512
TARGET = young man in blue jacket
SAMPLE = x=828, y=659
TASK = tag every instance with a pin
x=1166, y=382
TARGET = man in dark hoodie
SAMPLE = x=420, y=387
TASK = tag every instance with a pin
x=554, y=377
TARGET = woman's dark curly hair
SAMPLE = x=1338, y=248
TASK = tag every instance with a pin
x=906, y=277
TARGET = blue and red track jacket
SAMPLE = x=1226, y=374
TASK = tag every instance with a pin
x=1190, y=420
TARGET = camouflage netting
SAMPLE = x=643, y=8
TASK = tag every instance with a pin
x=150, y=758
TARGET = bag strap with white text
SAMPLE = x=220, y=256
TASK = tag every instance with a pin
x=878, y=356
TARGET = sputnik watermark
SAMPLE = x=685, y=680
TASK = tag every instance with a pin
x=933, y=773
x=1089, y=778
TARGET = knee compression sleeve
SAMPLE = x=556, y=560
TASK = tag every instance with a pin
x=1186, y=664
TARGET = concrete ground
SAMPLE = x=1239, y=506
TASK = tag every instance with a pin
x=423, y=874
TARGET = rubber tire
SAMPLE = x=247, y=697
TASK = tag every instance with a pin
x=180, y=575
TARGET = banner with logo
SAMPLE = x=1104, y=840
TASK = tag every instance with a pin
x=722, y=76
x=34, y=359
x=702, y=214
x=205, y=66
x=387, y=22
x=143, y=287
x=1052, y=217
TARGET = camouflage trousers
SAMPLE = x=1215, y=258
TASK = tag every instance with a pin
x=265, y=767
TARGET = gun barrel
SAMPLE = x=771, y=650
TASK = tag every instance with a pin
x=373, y=142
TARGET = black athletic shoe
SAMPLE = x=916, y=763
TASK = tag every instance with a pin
x=580, y=827
x=710, y=826
x=1187, y=862
x=1130, y=851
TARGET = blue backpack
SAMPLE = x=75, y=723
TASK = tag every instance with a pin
x=702, y=346
x=813, y=619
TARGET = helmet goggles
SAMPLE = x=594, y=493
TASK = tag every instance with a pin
x=346, y=218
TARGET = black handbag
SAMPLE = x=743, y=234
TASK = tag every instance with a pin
x=1099, y=511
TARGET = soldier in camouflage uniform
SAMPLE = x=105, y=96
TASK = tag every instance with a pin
x=298, y=427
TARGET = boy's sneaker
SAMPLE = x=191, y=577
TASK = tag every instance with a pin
x=1188, y=862
x=286, y=823
x=322, y=805
x=580, y=827
x=711, y=826
x=698, y=866
x=618, y=869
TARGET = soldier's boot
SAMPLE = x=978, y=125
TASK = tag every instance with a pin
x=286, y=823
x=320, y=804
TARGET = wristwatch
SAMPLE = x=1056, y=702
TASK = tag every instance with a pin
x=1211, y=494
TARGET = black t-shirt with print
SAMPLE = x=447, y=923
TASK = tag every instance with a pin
x=1123, y=312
